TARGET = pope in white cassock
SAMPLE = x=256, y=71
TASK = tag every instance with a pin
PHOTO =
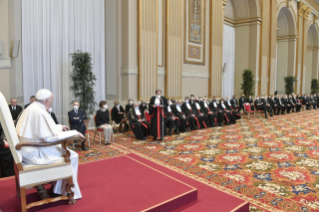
x=36, y=125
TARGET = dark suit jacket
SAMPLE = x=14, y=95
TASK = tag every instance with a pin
x=116, y=117
x=15, y=113
x=54, y=118
x=213, y=108
x=75, y=122
x=242, y=101
x=234, y=103
x=27, y=105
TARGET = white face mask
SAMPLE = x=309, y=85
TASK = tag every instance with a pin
x=50, y=110
x=76, y=107
x=105, y=107
x=192, y=98
x=131, y=102
x=158, y=96
x=170, y=103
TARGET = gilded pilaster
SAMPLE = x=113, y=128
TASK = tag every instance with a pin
x=174, y=50
x=303, y=15
x=216, y=47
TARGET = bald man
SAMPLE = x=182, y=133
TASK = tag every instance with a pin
x=15, y=109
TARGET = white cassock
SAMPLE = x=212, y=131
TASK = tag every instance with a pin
x=36, y=125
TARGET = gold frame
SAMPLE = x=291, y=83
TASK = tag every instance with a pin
x=189, y=23
x=186, y=42
x=197, y=47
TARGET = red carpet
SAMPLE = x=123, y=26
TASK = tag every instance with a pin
x=117, y=184
x=209, y=199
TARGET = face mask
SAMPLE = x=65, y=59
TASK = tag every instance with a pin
x=186, y=101
x=158, y=96
x=76, y=107
x=50, y=110
x=228, y=100
x=131, y=102
x=170, y=103
x=136, y=108
x=105, y=107
x=200, y=100
x=192, y=98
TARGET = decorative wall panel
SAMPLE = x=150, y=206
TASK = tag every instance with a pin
x=194, y=32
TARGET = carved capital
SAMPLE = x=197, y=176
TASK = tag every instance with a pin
x=315, y=17
x=224, y=3
x=288, y=3
x=307, y=13
x=301, y=8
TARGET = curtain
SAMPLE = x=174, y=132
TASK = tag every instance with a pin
x=51, y=31
x=228, y=61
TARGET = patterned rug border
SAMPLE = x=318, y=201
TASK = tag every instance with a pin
x=206, y=182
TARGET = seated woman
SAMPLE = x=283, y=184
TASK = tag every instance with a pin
x=103, y=122
x=118, y=116
x=6, y=159
x=138, y=123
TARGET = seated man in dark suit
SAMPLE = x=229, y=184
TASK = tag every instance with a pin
x=15, y=110
x=76, y=118
x=32, y=99
x=53, y=116
x=6, y=159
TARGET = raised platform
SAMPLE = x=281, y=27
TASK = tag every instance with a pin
x=117, y=184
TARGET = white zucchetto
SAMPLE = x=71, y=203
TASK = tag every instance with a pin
x=43, y=94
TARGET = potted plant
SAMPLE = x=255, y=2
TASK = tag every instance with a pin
x=83, y=82
x=289, y=84
x=248, y=85
x=314, y=86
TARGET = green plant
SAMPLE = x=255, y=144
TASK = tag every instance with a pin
x=289, y=84
x=248, y=85
x=83, y=81
x=314, y=86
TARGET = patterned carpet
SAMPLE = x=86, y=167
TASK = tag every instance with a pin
x=274, y=163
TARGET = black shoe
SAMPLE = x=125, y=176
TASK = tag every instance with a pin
x=169, y=133
x=108, y=144
x=176, y=132
x=154, y=139
x=84, y=147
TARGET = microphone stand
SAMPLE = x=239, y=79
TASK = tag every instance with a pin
x=162, y=104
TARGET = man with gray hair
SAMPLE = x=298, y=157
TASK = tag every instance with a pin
x=36, y=125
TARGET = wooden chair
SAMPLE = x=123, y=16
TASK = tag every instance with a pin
x=29, y=175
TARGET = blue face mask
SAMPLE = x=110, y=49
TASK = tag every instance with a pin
x=228, y=100
x=136, y=108
x=186, y=101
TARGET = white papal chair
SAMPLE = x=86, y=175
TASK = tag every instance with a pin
x=29, y=175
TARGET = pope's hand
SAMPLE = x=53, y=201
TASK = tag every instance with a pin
x=65, y=128
x=81, y=135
